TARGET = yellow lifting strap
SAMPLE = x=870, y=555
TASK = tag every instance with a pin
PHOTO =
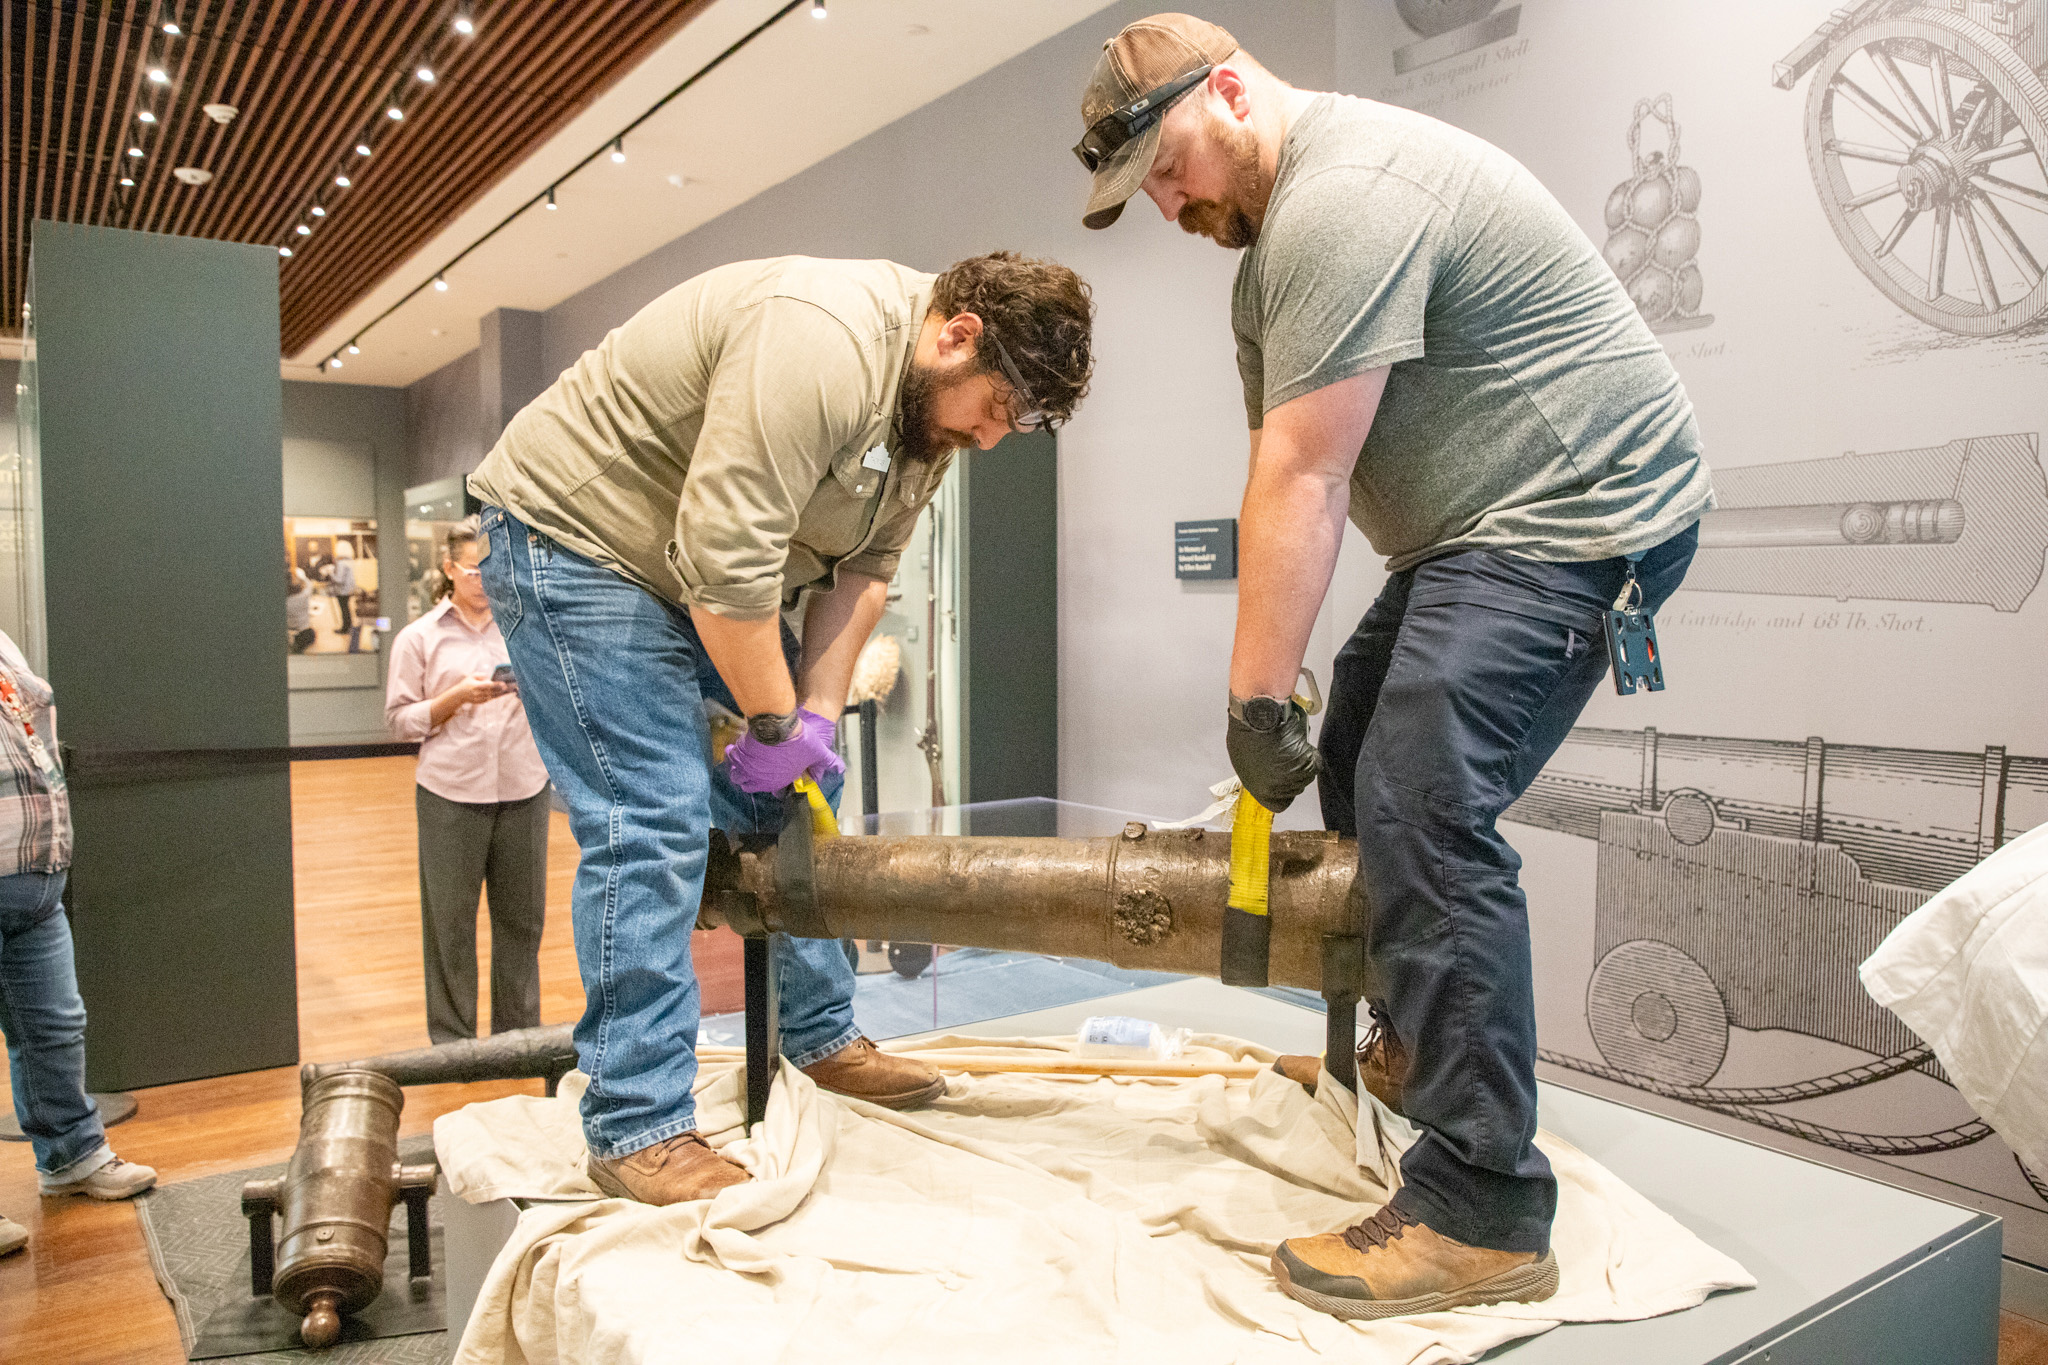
x=1251, y=836
x=825, y=824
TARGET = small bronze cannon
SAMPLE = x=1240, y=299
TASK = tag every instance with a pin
x=335, y=1200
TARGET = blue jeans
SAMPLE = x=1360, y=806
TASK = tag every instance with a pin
x=613, y=680
x=1454, y=691
x=44, y=1020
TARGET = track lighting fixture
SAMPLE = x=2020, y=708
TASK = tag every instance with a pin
x=362, y=149
x=551, y=196
x=394, y=113
x=817, y=9
x=158, y=76
x=319, y=212
x=145, y=117
x=354, y=349
x=619, y=151
x=342, y=181
x=464, y=24
x=284, y=251
x=425, y=75
x=441, y=283
x=172, y=29
x=135, y=151
x=303, y=230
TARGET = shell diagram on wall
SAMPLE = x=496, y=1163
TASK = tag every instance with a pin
x=1653, y=226
x=1451, y=28
x=1740, y=882
x=1961, y=522
x=1927, y=136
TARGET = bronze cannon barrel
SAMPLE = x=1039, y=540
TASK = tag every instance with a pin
x=1150, y=900
x=334, y=1203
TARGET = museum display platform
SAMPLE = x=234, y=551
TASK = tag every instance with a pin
x=1847, y=1269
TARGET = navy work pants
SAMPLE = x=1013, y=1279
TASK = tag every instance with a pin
x=1454, y=691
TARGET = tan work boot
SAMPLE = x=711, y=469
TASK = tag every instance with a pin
x=672, y=1172
x=1382, y=1064
x=1391, y=1266
x=865, y=1072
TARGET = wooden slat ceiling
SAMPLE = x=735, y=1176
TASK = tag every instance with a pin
x=310, y=78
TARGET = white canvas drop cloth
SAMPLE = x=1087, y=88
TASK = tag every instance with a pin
x=1021, y=1218
x=1968, y=972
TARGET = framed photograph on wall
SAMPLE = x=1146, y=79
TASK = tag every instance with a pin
x=331, y=588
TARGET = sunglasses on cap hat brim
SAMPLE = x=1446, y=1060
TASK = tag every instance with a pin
x=1117, y=127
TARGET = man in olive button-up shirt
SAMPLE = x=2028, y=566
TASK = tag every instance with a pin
x=759, y=438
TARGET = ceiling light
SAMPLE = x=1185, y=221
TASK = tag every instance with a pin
x=354, y=349
x=158, y=76
x=464, y=24
x=303, y=230
x=222, y=114
x=135, y=151
x=129, y=181
x=817, y=9
x=441, y=283
x=362, y=149
x=284, y=251
x=394, y=113
x=145, y=117
x=425, y=74
x=341, y=180
x=319, y=212
x=551, y=196
x=193, y=175
x=172, y=29
x=334, y=362
x=619, y=152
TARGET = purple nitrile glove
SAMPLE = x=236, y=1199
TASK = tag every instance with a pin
x=758, y=767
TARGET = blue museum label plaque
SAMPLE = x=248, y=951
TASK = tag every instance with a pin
x=1205, y=549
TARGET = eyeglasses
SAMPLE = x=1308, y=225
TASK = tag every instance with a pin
x=1025, y=414
x=1119, y=126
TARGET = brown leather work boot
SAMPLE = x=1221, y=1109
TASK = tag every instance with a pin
x=865, y=1072
x=672, y=1172
x=1391, y=1266
x=1382, y=1064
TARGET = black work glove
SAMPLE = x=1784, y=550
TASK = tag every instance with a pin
x=1276, y=764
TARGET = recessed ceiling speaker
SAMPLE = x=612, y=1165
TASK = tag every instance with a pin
x=221, y=113
x=193, y=175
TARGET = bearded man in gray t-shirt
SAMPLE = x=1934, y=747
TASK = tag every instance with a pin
x=1428, y=343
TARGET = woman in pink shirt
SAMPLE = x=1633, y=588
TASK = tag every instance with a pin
x=482, y=800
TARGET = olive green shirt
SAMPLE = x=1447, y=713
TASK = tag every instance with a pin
x=720, y=448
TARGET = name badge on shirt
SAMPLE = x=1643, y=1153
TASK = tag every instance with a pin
x=877, y=459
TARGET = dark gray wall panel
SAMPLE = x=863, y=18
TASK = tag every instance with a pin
x=1011, y=654
x=157, y=380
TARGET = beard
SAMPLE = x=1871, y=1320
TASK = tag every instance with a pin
x=923, y=439
x=1232, y=221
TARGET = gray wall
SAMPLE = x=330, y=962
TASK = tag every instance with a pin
x=357, y=415
x=444, y=421
x=1162, y=436
x=161, y=494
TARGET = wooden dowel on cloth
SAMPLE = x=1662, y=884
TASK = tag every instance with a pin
x=1056, y=1064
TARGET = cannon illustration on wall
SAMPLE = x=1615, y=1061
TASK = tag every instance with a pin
x=1927, y=137
x=1741, y=882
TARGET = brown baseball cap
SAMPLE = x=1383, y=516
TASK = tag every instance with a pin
x=1147, y=55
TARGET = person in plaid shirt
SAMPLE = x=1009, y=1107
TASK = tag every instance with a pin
x=40, y=1011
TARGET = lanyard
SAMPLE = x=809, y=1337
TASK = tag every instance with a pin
x=11, y=701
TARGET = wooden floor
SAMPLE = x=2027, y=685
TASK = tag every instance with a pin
x=82, y=1293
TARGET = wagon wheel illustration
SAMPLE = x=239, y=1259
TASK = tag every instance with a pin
x=1927, y=136
x=1655, y=1012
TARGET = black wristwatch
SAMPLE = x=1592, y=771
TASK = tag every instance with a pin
x=1259, y=713
x=769, y=728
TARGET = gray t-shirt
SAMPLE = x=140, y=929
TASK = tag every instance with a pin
x=1529, y=408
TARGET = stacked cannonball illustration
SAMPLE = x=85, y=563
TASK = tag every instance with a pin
x=1653, y=227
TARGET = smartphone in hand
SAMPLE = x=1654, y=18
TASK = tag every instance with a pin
x=502, y=675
